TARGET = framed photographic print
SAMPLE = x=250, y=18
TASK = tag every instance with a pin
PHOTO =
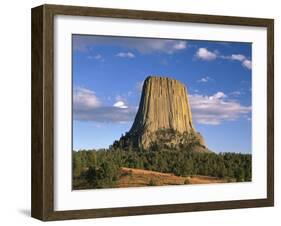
x=141, y=112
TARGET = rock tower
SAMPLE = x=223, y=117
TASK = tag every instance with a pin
x=164, y=115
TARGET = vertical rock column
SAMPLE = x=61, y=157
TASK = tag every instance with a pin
x=164, y=105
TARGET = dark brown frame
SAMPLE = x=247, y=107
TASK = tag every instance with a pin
x=42, y=203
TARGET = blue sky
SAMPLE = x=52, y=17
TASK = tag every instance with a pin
x=108, y=73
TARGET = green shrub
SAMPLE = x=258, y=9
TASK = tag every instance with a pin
x=187, y=181
x=152, y=183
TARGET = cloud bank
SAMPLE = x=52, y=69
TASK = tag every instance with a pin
x=210, y=110
x=240, y=57
x=88, y=107
x=207, y=55
x=85, y=99
x=216, y=109
x=142, y=45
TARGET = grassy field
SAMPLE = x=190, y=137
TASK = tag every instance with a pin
x=138, y=178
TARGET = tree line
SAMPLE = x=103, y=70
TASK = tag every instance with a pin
x=101, y=168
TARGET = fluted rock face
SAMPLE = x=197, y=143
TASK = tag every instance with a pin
x=164, y=105
x=164, y=115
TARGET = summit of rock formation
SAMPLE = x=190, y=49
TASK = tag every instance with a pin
x=164, y=116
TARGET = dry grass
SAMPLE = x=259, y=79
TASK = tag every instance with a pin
x=138, y=178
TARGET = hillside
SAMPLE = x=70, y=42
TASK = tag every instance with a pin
x=138, y=177
x=111, y=168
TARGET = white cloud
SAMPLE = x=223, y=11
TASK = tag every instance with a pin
x=218, y=95
x=204, y=79
x=143, y=45
x=205, y=54
x=238, y=57
x=88, y=107
x=125, y=55
x=120, y=104
x=160, y=45
x=85, y=99
x=215, y=109
x=247, y=64
x=241, y=58
x=180, y=45
x=236, y=93
x=106, y=114
x=98, y=57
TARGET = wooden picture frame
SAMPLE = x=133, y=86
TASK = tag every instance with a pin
x=42, y=203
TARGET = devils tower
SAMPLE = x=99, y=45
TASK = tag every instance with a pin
x=164, y=117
